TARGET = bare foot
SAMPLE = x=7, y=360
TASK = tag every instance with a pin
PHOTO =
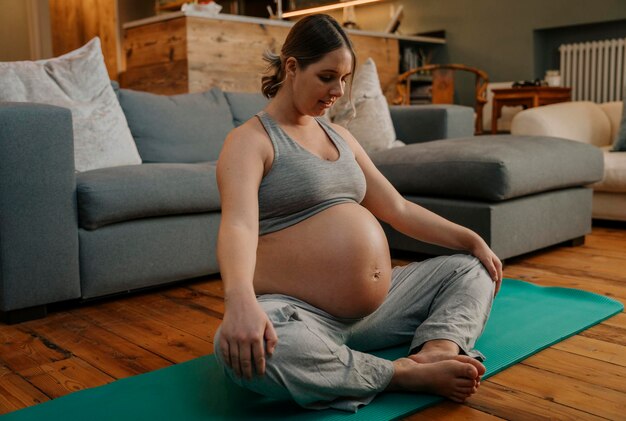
x=432, y=357
x=456, y=379
x=436, y=350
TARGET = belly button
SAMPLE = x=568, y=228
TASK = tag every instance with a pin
x=377, y=275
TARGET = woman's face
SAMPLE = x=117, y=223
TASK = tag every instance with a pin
x=319, y=85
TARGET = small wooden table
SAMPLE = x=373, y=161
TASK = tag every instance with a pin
x=528, y=97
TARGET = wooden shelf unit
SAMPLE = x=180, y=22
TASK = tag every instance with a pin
x=174, y=53
x=177, y=53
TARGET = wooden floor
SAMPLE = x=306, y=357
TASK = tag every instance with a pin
x=82, y=346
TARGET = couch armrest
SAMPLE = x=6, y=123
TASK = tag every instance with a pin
x=422, y=123
x=38, y=222
x=581, y=121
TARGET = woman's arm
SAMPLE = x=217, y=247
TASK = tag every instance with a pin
x=245, y=328
x=384, y=201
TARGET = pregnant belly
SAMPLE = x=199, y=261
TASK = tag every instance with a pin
x=337, y=260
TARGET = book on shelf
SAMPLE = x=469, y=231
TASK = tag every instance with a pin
x=414, y=56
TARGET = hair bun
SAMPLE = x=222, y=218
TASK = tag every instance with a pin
x=270, y=84
x=308, y=41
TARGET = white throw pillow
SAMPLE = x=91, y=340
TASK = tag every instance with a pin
x=79, y=81
x=372, y=125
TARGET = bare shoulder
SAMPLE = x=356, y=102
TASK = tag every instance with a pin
x=250, y=138
x=347, y=136
x=251, y=133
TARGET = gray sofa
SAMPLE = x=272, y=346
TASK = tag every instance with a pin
x=77, y=236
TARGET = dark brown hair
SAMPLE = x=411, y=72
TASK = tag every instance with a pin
x=308, y=41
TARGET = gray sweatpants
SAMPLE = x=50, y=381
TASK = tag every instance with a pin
x=321, y=361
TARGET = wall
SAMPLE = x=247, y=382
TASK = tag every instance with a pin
x=24, y=30
x=547, y=41
x=14, y=36
x=25, y=25
x=494, y=35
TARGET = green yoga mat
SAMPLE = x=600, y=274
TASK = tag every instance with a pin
x=525, y=319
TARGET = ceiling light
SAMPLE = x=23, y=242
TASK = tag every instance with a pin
x=326, y=8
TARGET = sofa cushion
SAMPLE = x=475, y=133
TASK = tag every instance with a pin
x=490, y=167
x=177, y=128
x=614, y=180
x=420, y=123
x=78, y=81
x=613, y=111
x=371, y=125
x=583, y=121
x=107, y=196
x=244, y=105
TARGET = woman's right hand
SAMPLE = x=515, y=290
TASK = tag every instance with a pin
x=246, y=334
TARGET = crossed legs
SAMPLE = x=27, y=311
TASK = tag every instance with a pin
x=440, y=305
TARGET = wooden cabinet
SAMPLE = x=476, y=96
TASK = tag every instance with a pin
x=174, y=53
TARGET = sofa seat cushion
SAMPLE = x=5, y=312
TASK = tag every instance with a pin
x=614, y=180
x=110, y=195
x=492, y=168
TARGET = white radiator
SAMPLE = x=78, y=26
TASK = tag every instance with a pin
x=596, y=71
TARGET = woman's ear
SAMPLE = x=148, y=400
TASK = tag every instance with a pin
x=291, y=65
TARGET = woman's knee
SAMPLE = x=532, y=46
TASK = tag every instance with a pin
x=470, y=271
x=267, y=384
x=462, y=262
x=289, y=359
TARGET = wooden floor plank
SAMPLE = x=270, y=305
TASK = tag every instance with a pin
x=601, y=231
x=607, y=333
x=198, y=299
x=211, y=286
x=513, y=404
x=618, y=321
x=182, y=310
x=452, y=411
x=17, y=393
x=601, y=239
x=600, y=246
x=108, y=352
x=569, y=263
x=594, y=348
x=165, y=341
x=564, y=390
x=543, y=277
x=62, y=377
x=20, y=350
x=596, y=372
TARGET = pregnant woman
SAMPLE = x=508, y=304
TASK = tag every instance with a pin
x=307, y=273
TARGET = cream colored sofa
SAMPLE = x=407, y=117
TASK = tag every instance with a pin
x=587, y=122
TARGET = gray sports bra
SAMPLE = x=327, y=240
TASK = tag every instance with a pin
x=300, y=184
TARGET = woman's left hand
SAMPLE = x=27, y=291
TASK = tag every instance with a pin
x=490, y=261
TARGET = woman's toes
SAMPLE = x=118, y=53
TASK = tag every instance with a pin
x=480, y=368
x=466, y=390
x=471, y=372
x=465, y=383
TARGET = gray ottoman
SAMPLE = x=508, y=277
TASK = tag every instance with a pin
x=520, y=193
